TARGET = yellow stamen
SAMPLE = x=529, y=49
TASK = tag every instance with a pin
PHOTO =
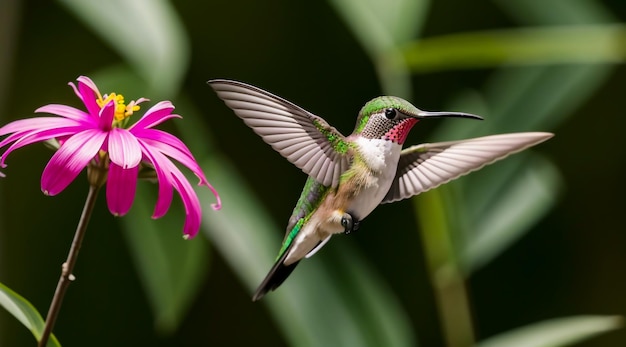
x=122, y=111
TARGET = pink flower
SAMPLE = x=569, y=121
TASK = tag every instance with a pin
x=101, y=140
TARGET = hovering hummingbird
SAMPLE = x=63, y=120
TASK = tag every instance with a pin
x=350, y=175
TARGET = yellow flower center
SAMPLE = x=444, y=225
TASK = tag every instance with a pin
x=122, y=111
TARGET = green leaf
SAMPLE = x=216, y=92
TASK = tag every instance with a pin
x=518, y=99
x=381, y=320
x=25, y=312
x=147, y=33
x=515, y=99
x=172, y=269
x=555, y=332
x=601, y=43
x=557, y=12
x=382, y=27
x=503, y=203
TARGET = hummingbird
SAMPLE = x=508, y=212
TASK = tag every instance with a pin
x=349, y=176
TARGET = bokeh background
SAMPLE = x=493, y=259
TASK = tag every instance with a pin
x=536, y=241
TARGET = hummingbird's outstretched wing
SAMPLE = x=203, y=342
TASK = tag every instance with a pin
x=305, y=139
x=427, y=166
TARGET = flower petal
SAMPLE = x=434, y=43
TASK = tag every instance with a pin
x=190, y=200
x=173, y=147
x=120, y=188
x=26, y=138
x=166, y=190
x=88, y=92
x=106, y=114
x=193, y=210
x=124, y=149
x=70, y=159
x=156, y=115
x=68, y=112
x=38, y=123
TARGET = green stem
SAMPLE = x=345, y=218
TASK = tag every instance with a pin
x=68, y=266
x=447, y=279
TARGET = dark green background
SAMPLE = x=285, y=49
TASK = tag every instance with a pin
x=572, y=262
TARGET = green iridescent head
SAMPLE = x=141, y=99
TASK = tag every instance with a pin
x=380, y=104
x=384, y=113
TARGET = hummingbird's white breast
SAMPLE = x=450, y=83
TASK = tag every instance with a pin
x=381, y=157
x=366, y=184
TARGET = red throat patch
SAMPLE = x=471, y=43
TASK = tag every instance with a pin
x=399, y=132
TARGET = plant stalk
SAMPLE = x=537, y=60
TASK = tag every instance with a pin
x=446, y=277
x=68, y=266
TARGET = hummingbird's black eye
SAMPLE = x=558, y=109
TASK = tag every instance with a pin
x=391, y=113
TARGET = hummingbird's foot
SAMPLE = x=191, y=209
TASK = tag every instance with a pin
x=349, y=223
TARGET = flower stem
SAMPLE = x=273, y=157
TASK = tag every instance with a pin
x=68, y=266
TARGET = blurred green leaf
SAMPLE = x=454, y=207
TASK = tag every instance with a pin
x=383, y=321
x=525, y=99
x=504, y=203
x=524, y=46
x=555, y=332
x=517, y=99
x=172, y=269
x=521, y=99
x=557, y=12
x=488, y=210
x=25, y=312
x=147, y=33
x=382, y=27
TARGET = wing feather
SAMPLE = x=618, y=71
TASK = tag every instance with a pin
x=298, y=135
x=427, y=166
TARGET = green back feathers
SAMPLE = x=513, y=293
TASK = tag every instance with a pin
x=336, y=140
x=312, y=195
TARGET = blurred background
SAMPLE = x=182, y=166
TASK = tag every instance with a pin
x=532, y=248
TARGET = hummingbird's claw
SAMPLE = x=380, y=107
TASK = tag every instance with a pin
x=349, y=223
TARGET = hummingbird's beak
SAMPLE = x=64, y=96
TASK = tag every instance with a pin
x=426, y=114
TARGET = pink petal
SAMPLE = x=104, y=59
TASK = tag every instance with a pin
x=187, y=194
x=120, y=189
x=38, y=123
x=173, y=147
x=124, y=148
x=156, y=115
x=70, y=159
x=106, y=114
x=67, y=112
x=166, y=190
x=89, y=93
x=24, y=139
x=190, y=201
x=218, y=204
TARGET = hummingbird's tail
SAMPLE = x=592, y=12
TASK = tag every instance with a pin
x=277, y=275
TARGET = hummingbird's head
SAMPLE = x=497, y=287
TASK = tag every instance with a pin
x=391, y=118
